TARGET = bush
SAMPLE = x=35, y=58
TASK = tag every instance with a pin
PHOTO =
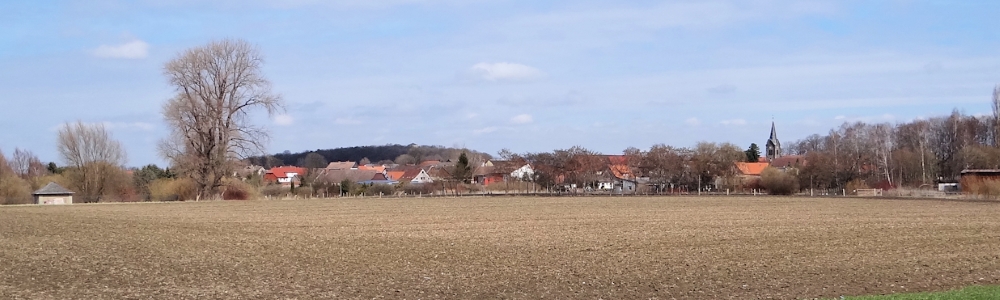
x=473, y=187
x=303, y=191
x=14, y=190
x=274, y=190
x=180, y=189
x=416, y=189
x=380, y=189
x=357, y=189
x=234, y=189
x=778, y=182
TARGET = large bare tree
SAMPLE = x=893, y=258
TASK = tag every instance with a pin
x=95, y=159
x=218, y=88
x=996, y=116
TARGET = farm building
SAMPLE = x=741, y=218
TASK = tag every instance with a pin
x=970, y=179
x=53, y=193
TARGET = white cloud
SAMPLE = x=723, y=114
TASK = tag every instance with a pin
x=134, y=49
x=692, y=121
x=503, y=71
x=284, y=120
x=734, y=122
x=522, y=119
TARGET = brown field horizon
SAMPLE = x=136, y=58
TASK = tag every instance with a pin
x=499, y=247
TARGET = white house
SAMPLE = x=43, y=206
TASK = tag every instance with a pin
x=422, y=177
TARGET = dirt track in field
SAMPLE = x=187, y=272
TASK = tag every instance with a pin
x=562, y=248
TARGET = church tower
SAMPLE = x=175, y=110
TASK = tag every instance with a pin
x=773, y=145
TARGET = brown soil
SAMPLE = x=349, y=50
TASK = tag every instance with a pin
x=468, y=248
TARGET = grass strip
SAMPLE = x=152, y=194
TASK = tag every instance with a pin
x=970, y=293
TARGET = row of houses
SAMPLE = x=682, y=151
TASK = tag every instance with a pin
x=489, y=172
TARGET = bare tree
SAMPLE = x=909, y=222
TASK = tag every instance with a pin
x=313, y=160
x=996, y=115
x=218, y=86
x=95, y=159
x=26, y=164
x=405, y=159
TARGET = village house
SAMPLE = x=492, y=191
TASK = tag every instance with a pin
x=502, y=171
x=373, y=167
x=748, y=173
x=379, y=178
x=285, y=175
x=250, y=170
x=342, y=165
x=409, y=174
x=788, y=162
x=618, y=176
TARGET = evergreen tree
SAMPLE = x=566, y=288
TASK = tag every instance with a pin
x=463, y=171
x=753, y=153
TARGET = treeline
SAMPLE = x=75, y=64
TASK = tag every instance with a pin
x=911, y=154
x=917, y=153
x=93, y=169
x=662, y=167
x=856, y=155
x=384, y=154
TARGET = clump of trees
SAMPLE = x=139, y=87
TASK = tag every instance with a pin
x=13, y=188
x=667, y=168
x=779, y=182
x=383, y=154
x=913, y=154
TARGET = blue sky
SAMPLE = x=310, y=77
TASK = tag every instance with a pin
x=491, y=74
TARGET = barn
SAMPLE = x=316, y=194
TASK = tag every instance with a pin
x=53, y=193
x=978, y=181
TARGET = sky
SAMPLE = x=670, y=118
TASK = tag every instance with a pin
x=528, y=76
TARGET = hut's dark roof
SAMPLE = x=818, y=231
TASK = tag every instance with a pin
x=986, y=172
x=52, y=189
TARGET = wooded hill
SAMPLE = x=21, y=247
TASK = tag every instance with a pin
x=390, y=153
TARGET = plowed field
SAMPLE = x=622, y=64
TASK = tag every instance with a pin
x=467, y=248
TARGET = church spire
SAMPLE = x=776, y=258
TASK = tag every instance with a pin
x=774, y=133
x=773, y=147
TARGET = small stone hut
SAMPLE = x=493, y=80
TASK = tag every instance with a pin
x=53, y=193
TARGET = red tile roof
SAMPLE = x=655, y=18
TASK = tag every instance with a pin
x=789, y=161
x=282, y=172
x=755, y=168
